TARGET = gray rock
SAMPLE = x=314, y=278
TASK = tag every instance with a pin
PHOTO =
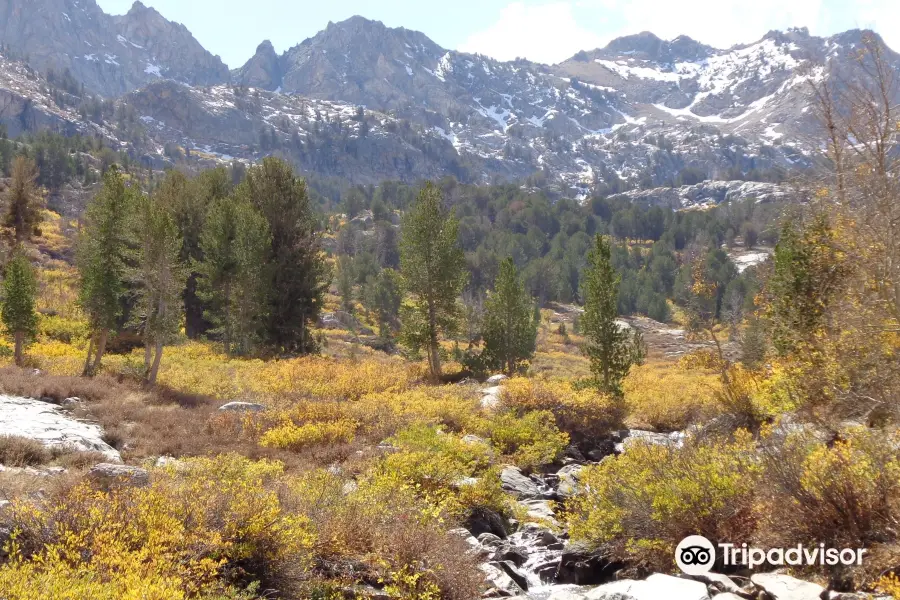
x=580, y=566
x=512, y=480
x=474, y=439
x=637, y=436
x=655, y=587
x=540, y=509
x=510, y=569
x=489, y=540
x=496, y=379
x=785, y=587
x=498, y=578
x=716, y=582
x=108, y=475
x=569, y=483
x=242, y=407
x=483, y=520
x=51, y=426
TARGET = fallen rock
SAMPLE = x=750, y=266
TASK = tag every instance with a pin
x=785, y=587
x=655, y=587
x=49, y=425
x=108, y=475
x=512, y=480
x=242, y=407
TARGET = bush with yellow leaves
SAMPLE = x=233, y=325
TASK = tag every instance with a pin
x=584, y=414
x=201, y=530
x=665, y=397
x=639, y=505
x=530, y=441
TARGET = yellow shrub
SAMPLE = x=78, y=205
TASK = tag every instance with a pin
x=666, y=397
x=531, y=440
x=171, y=539
x=639, y=505
x=296, y=437
x=583, y=414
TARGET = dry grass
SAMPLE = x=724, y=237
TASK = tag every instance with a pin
x=17, y=451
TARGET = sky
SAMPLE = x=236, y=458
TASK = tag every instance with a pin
x=540, y=30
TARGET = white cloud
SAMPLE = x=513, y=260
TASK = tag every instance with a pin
x=546, y=33
x=554, y=31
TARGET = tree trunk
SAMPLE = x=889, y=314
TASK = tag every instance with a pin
x=20, y=346
x=434, y=357
x=148, y=355
x=101, y=348
x=151, y=378
x=86, y=372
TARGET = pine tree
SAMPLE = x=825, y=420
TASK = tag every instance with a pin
x=233, y=275
x=299, y=274
x=100, y=256
x=191, y=211
x=383, y=296
x=509, y=330
x=609, y=347
x=160, y=275
x=433, y=269
x=345, y=283
x=19, y=292
x=23, y=200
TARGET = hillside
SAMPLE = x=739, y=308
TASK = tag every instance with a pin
x=639, y=113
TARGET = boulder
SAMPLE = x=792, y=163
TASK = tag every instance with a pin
x=108, y=475
x=785, y=587
x=514, y=573
x=580, y=566
x=512, y=480
x=716, y=582
x=635, y=436
x=540, y=509
x=242, y=407
x=496, y=379
x=569, y=484
x=514, y=554
x=490, y=540
x=500, y=580
x=51, y=426
x=655, y=587
x=490, y=397
x=483, y=520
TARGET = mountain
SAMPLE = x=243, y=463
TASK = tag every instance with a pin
x=110, y=55
x=366, y=102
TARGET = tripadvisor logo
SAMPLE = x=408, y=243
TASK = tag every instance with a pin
x=696, y=555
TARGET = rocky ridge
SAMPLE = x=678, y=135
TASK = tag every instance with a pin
x=635, y=115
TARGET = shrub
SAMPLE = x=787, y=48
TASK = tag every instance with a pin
x=296, y=437
x=18, y=451
x=185, y=535
x=639, y=505
x=845, y=495
x=669, y=398
x=530, y=441
x=584, y=414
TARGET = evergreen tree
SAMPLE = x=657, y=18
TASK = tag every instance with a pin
x=509, y=330
x=383, y=296
x=23, y=200
x=299, y=274
x=160, y=275
x=190, y=212
x=433, y=268
x=345, y=283
x=100, y=256
x=609, y=347
x=233, y=275
x=19, y=292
